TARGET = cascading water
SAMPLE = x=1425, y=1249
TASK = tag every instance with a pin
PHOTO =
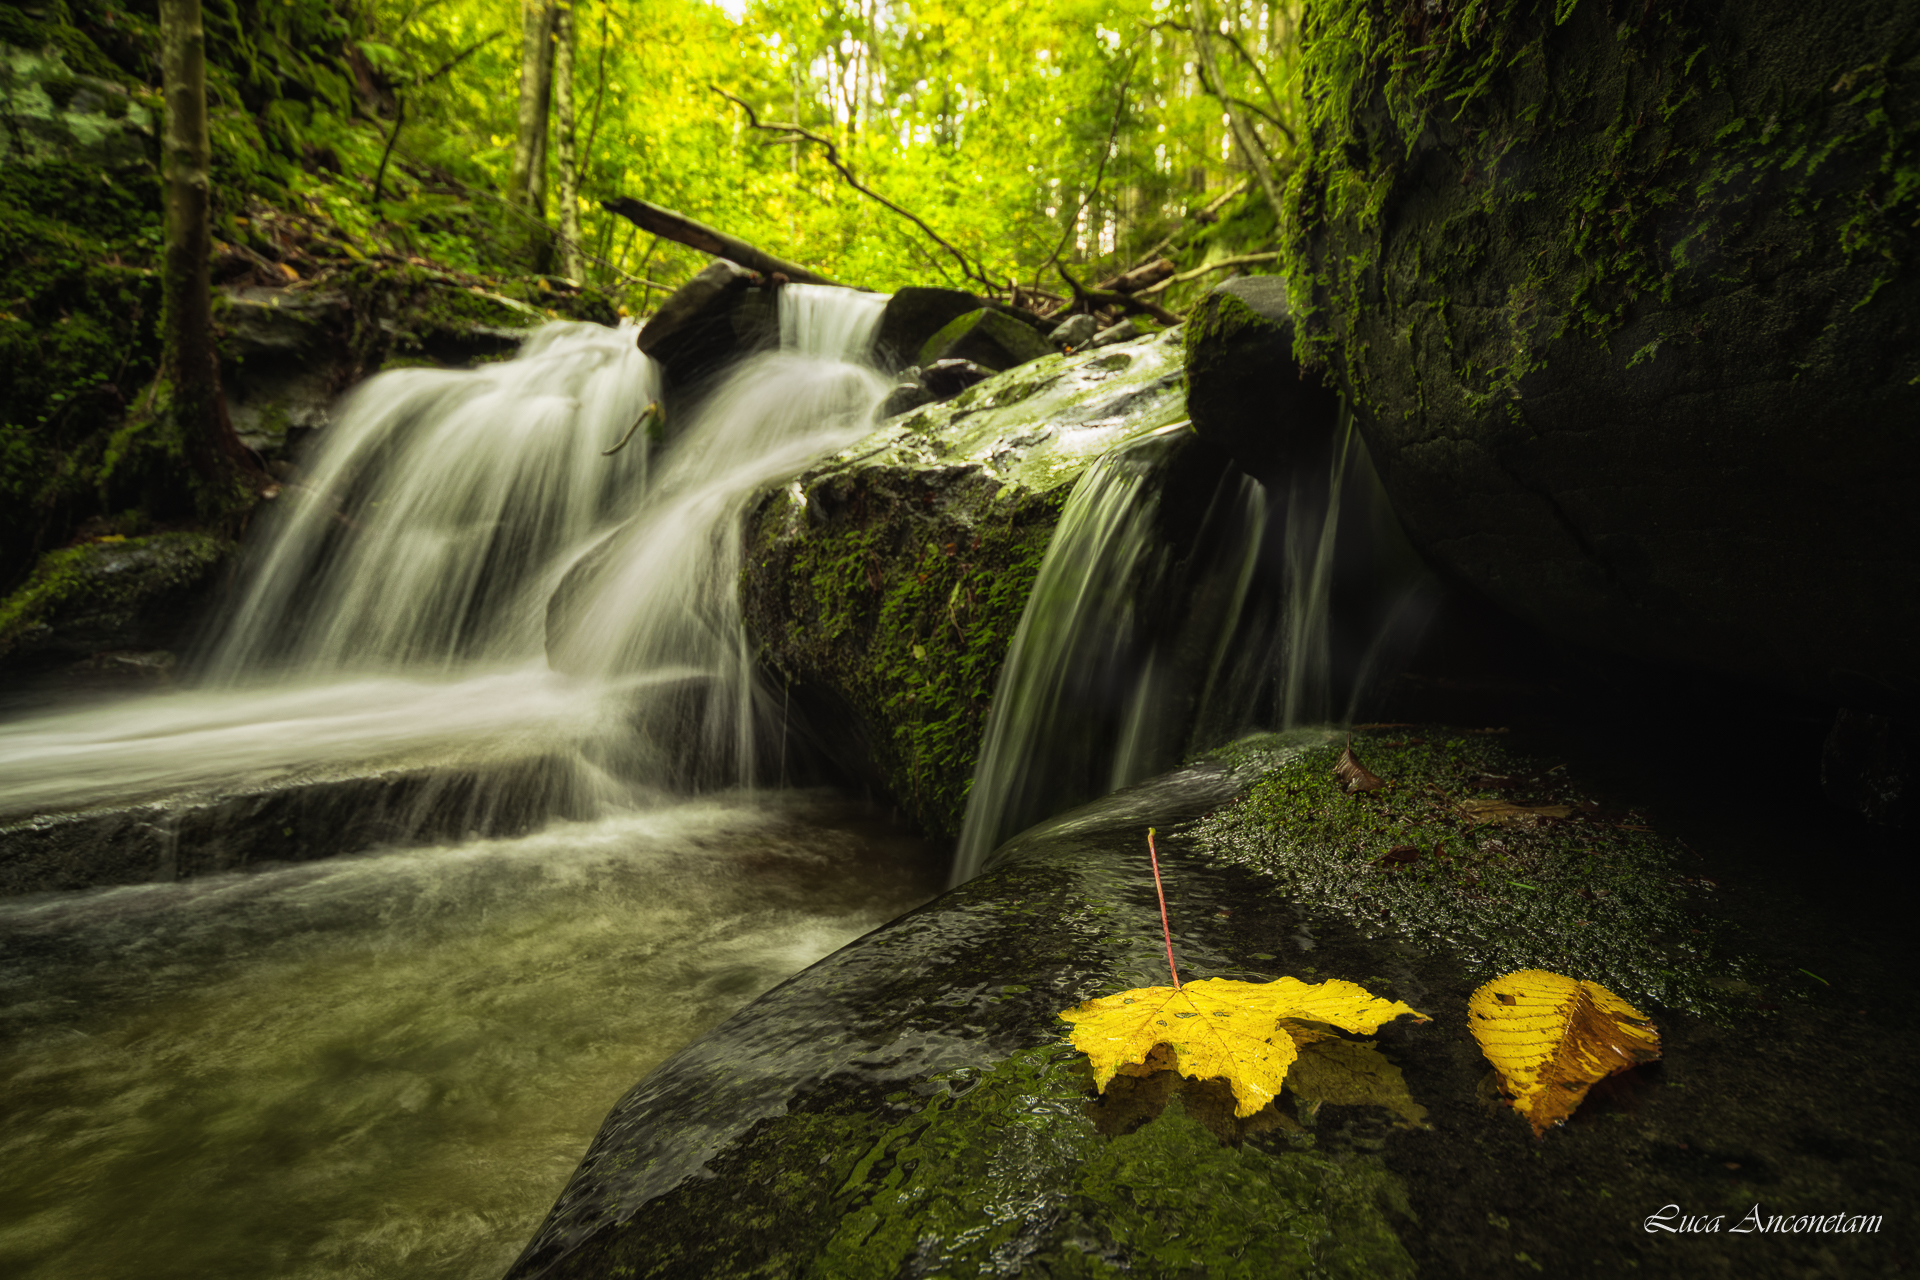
x=359, y=1066
x=1134, y=651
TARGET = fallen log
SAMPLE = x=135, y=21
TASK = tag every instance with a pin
x=1139, y=278
x=681, y=229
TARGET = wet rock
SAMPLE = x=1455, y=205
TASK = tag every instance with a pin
x=1245, y=390
x=889, y=1103
x=1125, y=331
x=108, y=596
x=53, y=114
x=943, y=380
x=996, y=339
x=1678, y=431
x=716, y=317
x=913, y=315
x=883, y=586
x=282, y=357
x=1074, y=331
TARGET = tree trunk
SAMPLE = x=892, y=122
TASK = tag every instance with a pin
x=189, y=371
x=563, y=121
x=527, y=184
x=1205, y=27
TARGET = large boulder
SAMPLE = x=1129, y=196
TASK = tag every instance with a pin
x=136, y=597
x=722, y=314
x=913, y=315
x=996, y=339
x=883, y=586
x=1623, y=302
x=1245, y=391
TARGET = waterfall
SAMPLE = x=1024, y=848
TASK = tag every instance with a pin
x=1141, y=644
x=452, y=530
x=1120, y=648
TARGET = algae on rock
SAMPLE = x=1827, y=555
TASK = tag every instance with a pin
x=884, y=585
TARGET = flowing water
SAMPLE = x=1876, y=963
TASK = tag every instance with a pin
x=387, y=1064
x=1142, y=644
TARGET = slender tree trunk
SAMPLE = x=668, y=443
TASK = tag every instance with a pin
x=190, y=373
x=527, y=183
x=1206, y=25
x=563, y=122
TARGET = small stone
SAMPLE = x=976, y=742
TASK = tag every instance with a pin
x=1125, y=331
x=1073, y=331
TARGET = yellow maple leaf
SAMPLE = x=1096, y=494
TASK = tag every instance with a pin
x=1240, y=1031
x=1551, y=1037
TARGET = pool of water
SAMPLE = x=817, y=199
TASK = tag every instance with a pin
x=388, y=1064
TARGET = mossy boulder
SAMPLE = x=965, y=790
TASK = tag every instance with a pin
x=913, y=315
x=1624, y=301
x=1245, y=391
x=883, y=586
x=111, y=594
x=907, y=1106
x=994, y=339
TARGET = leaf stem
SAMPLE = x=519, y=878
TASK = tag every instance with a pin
x=1166, y=930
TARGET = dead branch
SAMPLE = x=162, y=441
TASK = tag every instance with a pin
x=1138, y=279
x=1225, y=264
x=1093, y=299
x=1211, y=208
x=794, y=131
x=698, y=235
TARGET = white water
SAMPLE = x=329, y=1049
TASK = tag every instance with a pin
x=388, y=1064
x=398, y=601
x=1096, y=692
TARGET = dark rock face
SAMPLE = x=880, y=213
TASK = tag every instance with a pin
x=714, y=318
x=942, y=380
x=1630, y=334
x=884, y=586
x=136, y=595
x=991, y=338
x=1245, y=391
x=913, y=315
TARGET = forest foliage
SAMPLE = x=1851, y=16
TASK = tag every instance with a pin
x=358, y=137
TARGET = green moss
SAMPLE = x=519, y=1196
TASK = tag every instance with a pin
x=987, y=1167
x=104, y=578
x=1662, y=159
x=917, y=630
x=1597, y=894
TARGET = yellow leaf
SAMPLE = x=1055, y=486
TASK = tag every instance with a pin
x=1221, y=1027
x=1551, y=1037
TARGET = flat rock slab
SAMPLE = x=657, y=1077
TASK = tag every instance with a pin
x=907, y=1107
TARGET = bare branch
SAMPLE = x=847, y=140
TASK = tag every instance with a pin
x=1113, y=131
x=1244, y=260
x=968, y=269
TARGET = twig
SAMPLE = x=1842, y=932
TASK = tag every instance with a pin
x=1166, y=930
x=1094, y=299
x=1244, y=260
x=653, y=408
x=967, y=269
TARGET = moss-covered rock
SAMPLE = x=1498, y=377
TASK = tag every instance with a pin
x=1245, y=391
x=109, y=594
x=994, y=339
x=1625, y=303
x=884, y=586
x=906, y=1106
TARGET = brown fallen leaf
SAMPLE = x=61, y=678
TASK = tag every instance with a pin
x=1399, y=856
x=1551, y=1037
x=1506, y=812
x=1353, y=775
